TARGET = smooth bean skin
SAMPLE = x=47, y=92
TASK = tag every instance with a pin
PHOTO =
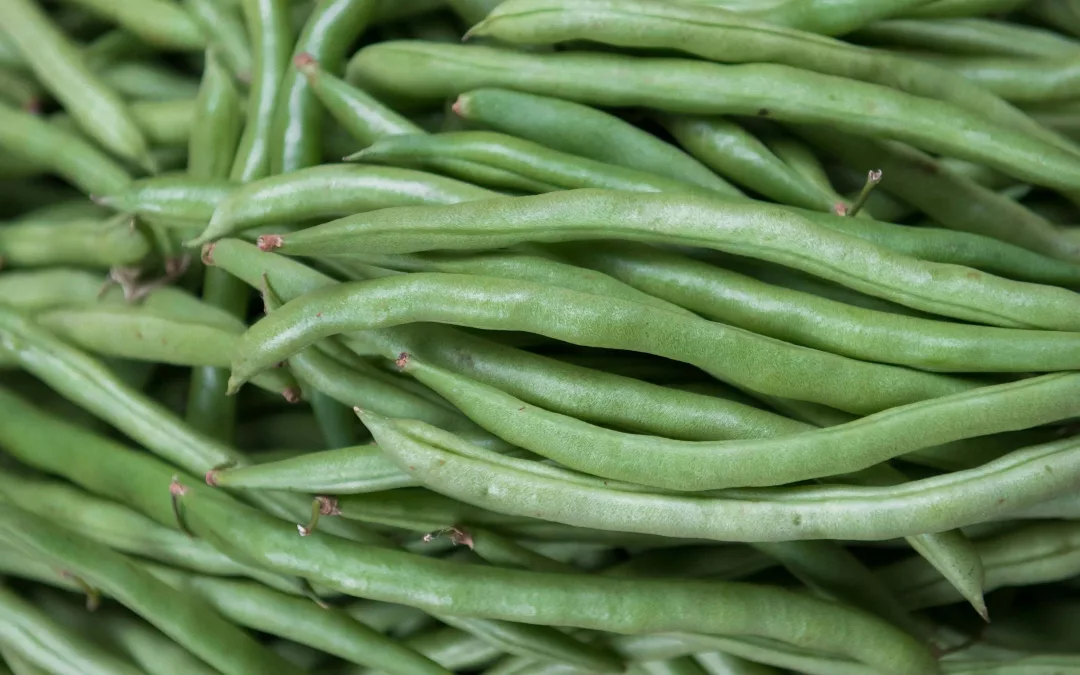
x=32, y=139
x=1017, y=79
x=157, y=22
x=183, y=617
x=149, y=648
x=586, y=393
x=733, y=152
x=729, y=37
x=84, y=380
x=31, y=634
x=801, y=318
x=217, y=122
x=271, y=37
x=754, y=230
x=516, y=487
x=57, y=64
x=759, y=363
x=945, y=195
x=328, y=191
x=1038, y=553
x=41, y=289
x=968, y=36
x=827, y=17
x=690, y=466
x=587, y=602
x=520, y=157
x=225, y=32
x=353, y=470
x=581, y=130
x=148, y=81
x=91, y=243
x=297, y=125
x=298, y=619
x=179, y=196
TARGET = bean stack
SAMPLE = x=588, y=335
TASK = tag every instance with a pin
x=537, y=337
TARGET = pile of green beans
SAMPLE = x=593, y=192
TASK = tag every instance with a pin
x=656, y=337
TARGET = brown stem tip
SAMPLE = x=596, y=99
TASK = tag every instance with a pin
x=402, y=360
x=328, y=506
x=268, y=242
x=207, y=254
x=291, y=394
x=303, y=59
x=212, y=477
x=458, y=107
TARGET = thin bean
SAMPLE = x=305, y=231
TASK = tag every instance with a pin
x=580, y=130
x=148, y=81
x=536, y=163
x=762, y=364
x=755, y=230
x=801, y=318
x=342, y=471
x=183, y=617
x=92, y=243
x=33, y=140
x=517, y=487
x=270, y=32
x=295, y=134
x=30, y=633
x=587, y=602
x=329, y=191
x=697, y=466
x=970, y=37
x=822, y=16
x=948, y=9
x=586, y=393
x=158, y=22
x=80, y=378
x=149, y=648
x=300, y=620
x=216, y=123
x=454, y=649
x=736, y=38
x=224, y=29
x=57, y=64
x=177, y=197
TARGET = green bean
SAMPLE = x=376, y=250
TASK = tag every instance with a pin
x=762, y=364
x=329, y=191
x=58, y=65
x=93, y=243
x=949, y=9
x=755, y=230
x=148, y=647
x=148, y=81
x=733, y=152
x=159, y=23
x=696, y=466
x=216, y=124
x=454, y=649
x=1060, y=15
x=296, y=130
x=165, y=122
x=821, y=16
x=41, y=289
x=31, y=634
x=113, y=46
x=177, y=197
x=532, y=161
x=80, y=378
x=298, y=619
x=270, y=33
x=970, y=37
x=600, y=397
x=16, y=89
x=224, y=30
x=727, y=37
x=183, y=617
x=341, y=471
x=393, y=10
x=782, y=514
x=587, y=602
x=61, y=152
x=720, y=663
x=580, y=130
x=800, y=318
x=1035, y=554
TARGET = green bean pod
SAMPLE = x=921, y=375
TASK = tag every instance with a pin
x=296, y=129
x=754, y=230
x=268, y=27
x=950, y=9
x=177, y=197
x=224, y=30
x=299, y=619
x=149, y=648
x=1019, y=80
x=723, y=36
x=57, y=64
x=149, y=81
x=798, y=317
x=92, y=243
x=165, y=122
x=968, y=36
x=216, y=124
x=183, y=617
x=342, y=471
x=158, y=22
x=580, y=130
x=31, y=139
x=556, y=385
x=58, y=650
x=329, y=191
x=698, y=466
x=511, y=486
x=763, y=364
x=16, y=89
x=520, y=157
